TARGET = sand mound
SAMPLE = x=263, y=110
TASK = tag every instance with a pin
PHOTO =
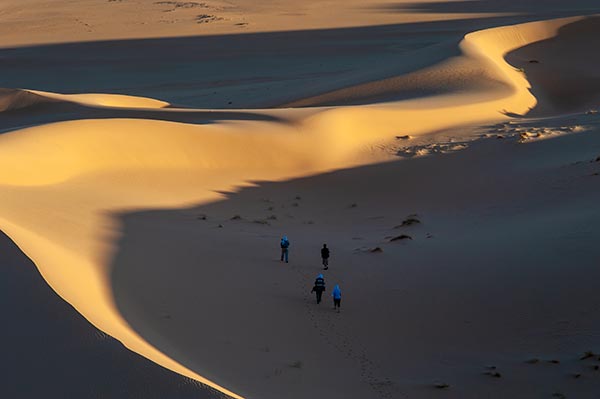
x=62, y=183
x=13, y=99
x=19, y=99
x=104, y=100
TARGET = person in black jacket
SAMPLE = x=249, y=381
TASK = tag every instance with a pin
x=319, y=287
x=325, y=256
x=285, y=248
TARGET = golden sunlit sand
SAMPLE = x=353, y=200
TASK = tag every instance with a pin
x=160, y=223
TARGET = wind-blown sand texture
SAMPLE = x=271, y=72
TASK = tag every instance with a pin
x=159, y=220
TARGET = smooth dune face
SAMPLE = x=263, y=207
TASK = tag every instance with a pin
x=63, y=185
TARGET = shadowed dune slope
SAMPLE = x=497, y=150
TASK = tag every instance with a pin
x=547, y=9
x=470, y=74
x=563, y=70
x=14, y=99
x=93, y=363
x=28, y=108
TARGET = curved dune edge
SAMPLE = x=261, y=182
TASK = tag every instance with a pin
x=103, y=99
x=100, y=167
x=99, y=290
x=16, y=99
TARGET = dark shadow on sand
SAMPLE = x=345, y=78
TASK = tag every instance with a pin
x=38, y=114
x=543, y=9
x=50, y=351
x=562, y=70
x=252, y=70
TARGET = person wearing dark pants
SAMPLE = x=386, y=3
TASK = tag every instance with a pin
x=319, y=287
x=285, y=245
x=337, y=297
x=325, y=256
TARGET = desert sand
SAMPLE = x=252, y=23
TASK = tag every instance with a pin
x=148, y=169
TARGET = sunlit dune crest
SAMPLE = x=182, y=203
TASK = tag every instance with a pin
x=104, y=100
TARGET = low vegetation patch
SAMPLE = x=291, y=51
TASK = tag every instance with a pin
x=401, y=237
x=206, y=18
x=409, y=221
x=296, y=365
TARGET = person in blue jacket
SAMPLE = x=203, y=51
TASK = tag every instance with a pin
x=337, y=297
x=319, y=287
x=285, y=245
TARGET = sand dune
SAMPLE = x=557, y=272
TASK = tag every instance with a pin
x=278, y=149
x=480, y=68
x=13, y=99
x=71, y=192
x=72, y=358
x=104, y=100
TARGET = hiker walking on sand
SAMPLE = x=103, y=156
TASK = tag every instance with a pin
x=319, y=287
x=285, y=245
x=337, y=297
x=325, y=256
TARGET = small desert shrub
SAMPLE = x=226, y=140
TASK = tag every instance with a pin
x=296, y=365
x=401, y=237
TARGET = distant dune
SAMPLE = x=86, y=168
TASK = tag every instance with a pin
x=13, y=99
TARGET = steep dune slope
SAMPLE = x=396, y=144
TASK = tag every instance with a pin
x=565, y=78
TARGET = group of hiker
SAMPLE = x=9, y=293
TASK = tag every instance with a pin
x=319, y=285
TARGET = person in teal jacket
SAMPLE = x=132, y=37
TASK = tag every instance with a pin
x=337, y=297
